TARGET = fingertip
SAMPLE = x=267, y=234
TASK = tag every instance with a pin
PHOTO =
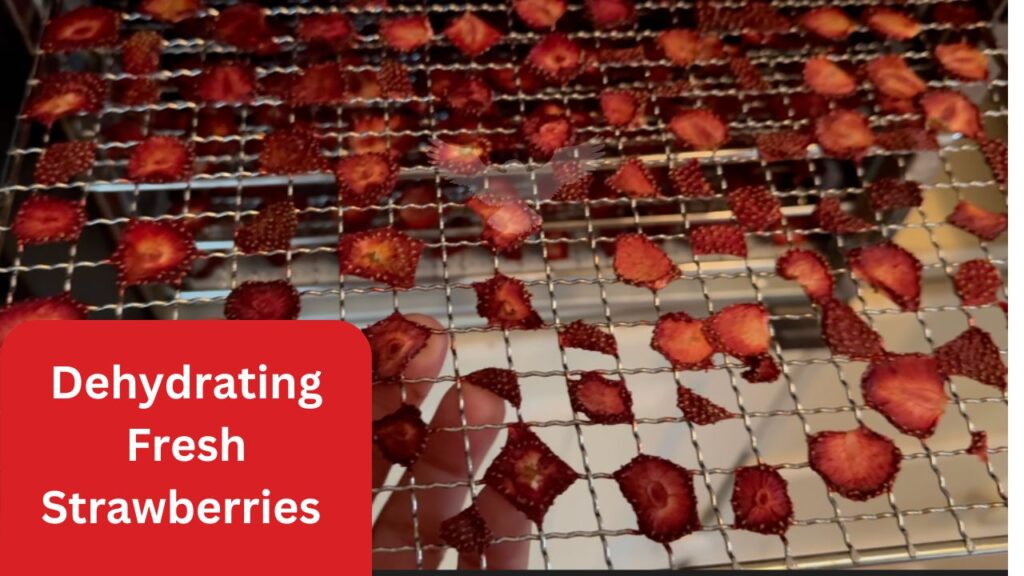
x=429, y=361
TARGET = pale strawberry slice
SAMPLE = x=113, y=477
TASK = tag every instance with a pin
x=682, y=341
x=501, y=381
x=976, y=220
x=847, y=334
x=858, y=464
x=634, y=180
x=245, y=27
x=470, y=96
x=528, y=474
x=508, y=220
x=547, y=133
x=997, y=155
x=402, y=435
x=909, y=391
x=583, y=336
x=830, y=216
x=698, y=409
x=271, y=230
x=152, y=251
x=701, y=129
x=620, y=107
x=892, y=194
x=140, y=53
x=641, y=262
x=826, y=78
x=172, y=11
x=254, y=300
x=661, y=494
x=786, y=145
x=556, y=57
x=894, y=78
x=60, y=307
x=844, y=133
x=760, y=500
x=810, y=270
x=381, y=254
x=539, y=14
x=472, y=35
x=973, y=354
x=465, y=155
x=689, y=181
x=505, y=302
x=364, y=179
x=65, y=93
x=718, y=239
x=684, y=47
x=394, y=342
x=891, y=23
x=467, y=531
x=319, y=84
x=160, y=159
x=979, y=445
x=292, y=150
x=407, y=33
x=963, y=60
x=608, y=14
x=740, y=330
x=977, y=282
x=890, y=268
x=43, y=219
x=64, y=160
x=760, y=369
x=828, y=23
x=333, y=30
x=756, y=208
x=230, y=82
x=951, y=111
x=82, y=28
x=602, y=400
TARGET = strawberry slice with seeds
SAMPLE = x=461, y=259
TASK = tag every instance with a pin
x=579, y=334
x=740, y=330
x=844, y=133
x=890, y=268
x=292, y=150
x=233, y=83
x=152, y=251
x=699, y=410
x=394, y=80
x=682, y=341
x=44, y=219
x=641, y=262
x=825, y=77
x=503, y=382
x=830, y=216
x=858, y=464
x=891, y=23
x=909, y=391
x=756, y=208
x=407, y=33
x=402, y=435
x=363, y=179
x=718, y=239
x=80, y=29
x=906, y=138
x=620, y=107
x=997, y=155
x=245, y=27
x=746, y=73
x=65, y=93
x=547, y=133
x=608, y=14
x=60, y=307
x=528, y=474
x=976, y=220
x=689, y=181
x=847, y=334
x=270, y=230
x=661, y=495
x=539, y=14
x=471, y=96
x=602, y=400
x=634, y=180
x=64, y=160
x=136, y=91
x=141, y=52
x=556, y=58
x=394, y=342
x=472, y=35
x=467, y=532
x=700, y=129
x=508, y=220
x=951, y=111
x=381, y=254
x=333, y=30
x=810, y=270
x=462, y=155
x=505, y=302
x=786, y=145
x=160, y=159
x=974, y=355
x=760, y=500
x=977, y=282
x=963, y=60
x=979, y=445
x=893, y=194
x=254, y=300
x=828, y=23
x=894, y=78
x=319, y=84
x=761, y=368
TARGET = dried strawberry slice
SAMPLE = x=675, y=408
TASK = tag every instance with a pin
x=245, y=27
x=778, y=146
x=414, y=218
x=979, y=445
x=974, y=355
x=661, y=495
x=718, y=239
x=292, y=150
x=634, y=180
x=760, y=369
x=847, y=334
x=688, y=180
x=756, y=208
x=141, y=52
x=608, y=14
x=699, y=410
x=826, y=78
x=467, y=531
x=539, y=14
x=891, y=23
x=394, y=80
x=892, y=194
x=641, y=262
x=333, y=30
x=43, y=219
x=407, y=33
x=508, y=220
x=858, y=464
x=382, y=254
x=318, y=84
x=681, y=340
x=740, y=330
x=683, y=47
x=828, y=23
x=60, y=307
x=505, y=302
x=472, y=35
x=620, y=107
x=226, y=83
x=172, y=11
x=909, y=391
x=746, y=73
x=152, y=251
x=906, y=138
x=65, y=93
x=830, y=216
x=977, y=282
x=997, y=155
x=976, y=220
x=503, y=382
x=700, y=129
x=528, y=474
x=951, y=111
x=364, y=179
x=547, y=133
x=579, y=334
x=254, y=300
x=844, y=133
x=556, y=57
x=271, y=230
x=465, y=155
x=394, y=342
x=760, y=500
x=602, y=400
x=810, y=270
x=160, y=159
x=891, y=269
x=64, y=160
x=894, y=78
x=963, y=60
x=402, y=435
x=136, y=91
x=81, y=28
x=471, y=96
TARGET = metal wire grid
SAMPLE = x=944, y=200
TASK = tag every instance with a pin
x=704, y=271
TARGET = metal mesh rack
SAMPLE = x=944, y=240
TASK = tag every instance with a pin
x=945, y=503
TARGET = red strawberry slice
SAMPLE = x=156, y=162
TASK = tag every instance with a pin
x=539, y=14
x=997, y=155
x=65, y=93
x=684, y=47
x=226, y=83
x=844, y=133
x=634, y=180
x=60, y=307
x=951, y=111
x=746, y=73
x=906, y=138
x=152, y=251
x=602, y=400
x=160, y=159
x=778, y=146
x=528, y=474
x=891, y=23
x=847, y=334
x=426, y=218
x=472, y=35
x=43, y=219
x=270, y=230
x=661, y=494
x=80, y=29
x=556, y=58
x=471, y=96
x=760, y=500
x=319, y=84
x=889, y=105
x=977, y=282
x=333, y=30
x=364, y=179
x=830, y=216
x=698, y=409
x=700, y=129
x=682, y=341
x=890, y=268
x=756, y=208
x=979, y=445
x=826, y=78
x=688, y=180
x=740, y=330
x=608, y=14
x=718, y=239
x=141, y=52
x=828, y=23
x=407, y=33
x=394, y=80
x=858, y=464
x=508, y=220
x=64, y=160
x=136, y=91
x=976, y=220
x=402, y=435
x=381, y=254
x=974, y=355
x=547, y=133
x=810, y=270
x=467, y=532
x=292, y=150
x=394, y=342
x=505, y=302
x=893, y=194
x=620, y=107
x=963, y=60
x=462, y=155
x=909, y=391
x=253, y=300
x=172, y=11
x=245, y=27
x=760, y=369
x=579, y=334
x=501, y=381
x=641, y=262
x=894, y=78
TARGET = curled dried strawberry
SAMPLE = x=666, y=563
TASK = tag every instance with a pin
x=230, y=82
x=254, y=300
x=528, y=474
x=718, y=239
x=472, y=35
x=547, y=133
x=539, y=14
x=828, y=22
x=152, y=251
x=579, y=334
x=467, y=531
x=688, y=180
x=141, y=52
x=80, y=29
x=890, y=268
x=661, y=495
x=292, y=150
x=505, y=302
x=908, y=390
x=65, y=93
x=858, y=464
x=777, y=146
x=363, y=179
x=756, y=208
x=682, y=341
x=602, y=400
x=402, y=435
x=556, y=57
x=979, y=445
x=465, y=155
x=64, y=160
x=830, y=216
x=740, y=330
x=245, y=27
x=620, y=107
x=407, y=33
x=894, y=78
x=700, y=129
x=951, y=111
x=394, y=342
x=381, y=254
x=641, y=262
x=892, y=194
x=761, y=368
x=508, y=220
x=470, y=95
x=844, y=133
x=974, y=355
x=160, y=159
x=825, y=77
x=847, y=334
x=891, y=23
x=270, y=230
x=43, y=219
x=319, y=84
x=760, y=500
x=501, y=381
x=634, y=180
x=699, y=410
x=963, y=60
x=810, y=270
x=333, y=30
x=60, y=307
x=608, y=14
x=997, y=155
x=976, y=220
x=977, y=282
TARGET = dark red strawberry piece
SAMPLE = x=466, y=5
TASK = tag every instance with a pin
x=718, y=239
x=43, y=219
x=756, y=208
x=699, y=410
x=270, y=230
x=976, y=220
x=465, y=155
x=634, y=180
x=977, y=282
x=608, y=14
x=963, y=60
x=172, y=11
x=979, y=445
x=152, y=251
x=974, y=355
x=700, y=129
x=847, y=334
x=740, y=330
x=381, y=254
x=761, y=368
x=585, y=336
x=467, y=532
x=539, y=14
x=889, y=105
x=245, y=27
x=508, y=220
x=64, y=160
x=501, y=381
x=810, y=270
x=319, y=84
x=997, y=155
x=160, y=159
x=858, y=464
x=602, y=400
x=547, y=133
x=825, y=77
x=363, y=179
x=688, y=180
x=661, y=494
x=141, y=52
x=830, y=216
x=908, y=390
x=60, y=307
x=472, y=35
x=891, y=269
x=641, y=262
x=505, y=302
x=682, y=341
x=226, y=83
x=407, y=33
x=412, y=218
x=471, y=96
x=894, y=78
x=136, y=91
x=402, y=435
x=556, y=57
x=778, y=146
x=828, y=23
x=746, y=73
x=951, y=111
x=292, y=150
x=394, y=342
x=891, y=23
x=333, y=30
x=253, y=300
x=80, y=29
x=906, y=138
x=893, y=194
x=620, y=107
x=760, y=500
x=395, y=81
x=844, y=133
x=65, y=93
x=528, y=474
